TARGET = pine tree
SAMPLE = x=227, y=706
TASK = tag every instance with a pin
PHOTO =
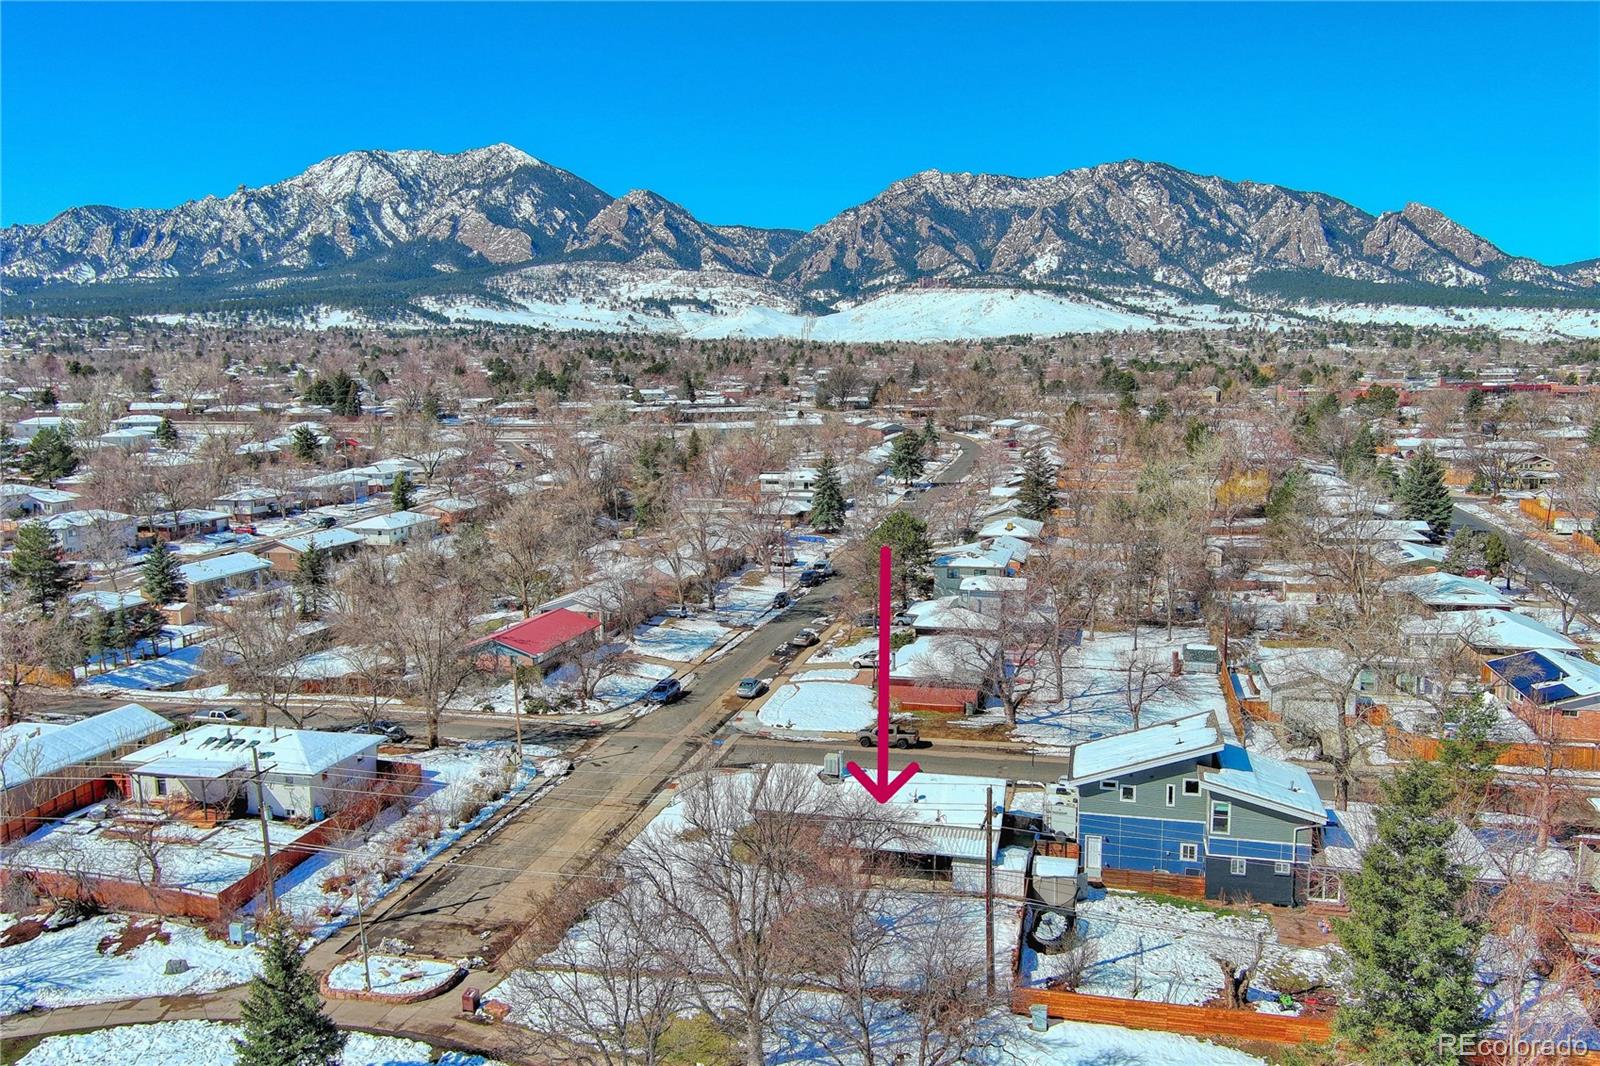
x=37, y=567
x=400, y=491
x=1036, y=498
x=1410, y=941
x=50, y=456
x=166, y=433
x=827, y=498
x=1423, y=494
x=1496, y=556
x=282, y=1018
x=905, y=458
x=930, y=437
x=311, y=581
x=307, y=446
x=1283, y=499
x=159, y=578
x=907, y=537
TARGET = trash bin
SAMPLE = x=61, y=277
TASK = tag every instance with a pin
x=469, y=1001
x=1038, y=1017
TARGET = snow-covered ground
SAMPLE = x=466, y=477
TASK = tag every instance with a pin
x=818, y=706
x=65, y=967
x=1094, y=701
x=201, y=1043
x=391, y=975
x=1150, y=950
x=843, y=653
x=679, y=640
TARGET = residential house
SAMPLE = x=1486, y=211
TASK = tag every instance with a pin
x=952, y=567
x=90, y=529
x=395, y=529
x=253, y=502
x=26, y=501
x=1443, y=591
x=221, y=576
x=338, y=543
x=304, y=773
x=1555, y=692
x=541, y=641
x=451, y=510
x=1178, y=798
x=50, y=768
x=1015, y=526
x=187, y=522
x=947, y=673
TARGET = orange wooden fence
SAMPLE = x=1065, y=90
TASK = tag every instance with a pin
x=1175, y=1018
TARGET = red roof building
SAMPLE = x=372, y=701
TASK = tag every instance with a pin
x=539, y=639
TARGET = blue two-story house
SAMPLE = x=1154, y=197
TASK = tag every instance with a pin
x=1178, y=798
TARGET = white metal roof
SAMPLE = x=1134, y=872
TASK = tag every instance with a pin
x=287, y=751
x=38, y=749
x=1145, y=748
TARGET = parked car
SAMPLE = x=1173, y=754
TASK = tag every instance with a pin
x=751, y=687
x=804, y=639
x=219, y=715
x=904, y=620
x=679, y=611
x=666, y=690
x=388, y=728
x=324, y=521
x=822, y=566
x=246, y=530
x=782, y=599
x=864, y=660
x=901, y=735
x=785, y=560
x=811, y=579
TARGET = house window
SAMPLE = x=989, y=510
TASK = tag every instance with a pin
x=1191, y=786
x=1188, y=852
x=1281, y=869
x=1172, y=796
x=1221, y=817
x=1108, y=786
x=1237, y=867
x=951, y=574
x=1569, y=712
x=1129, y=794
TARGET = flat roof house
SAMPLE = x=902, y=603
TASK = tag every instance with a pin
x=50, y=768
x=338, y=543
x=305, y=773
x=213, y=579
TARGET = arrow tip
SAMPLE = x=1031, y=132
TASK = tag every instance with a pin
x=883, y=789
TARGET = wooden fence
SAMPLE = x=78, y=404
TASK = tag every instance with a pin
x=1175, y=1018
x=1403, y=745
x=1145, y=881
x=92, y=791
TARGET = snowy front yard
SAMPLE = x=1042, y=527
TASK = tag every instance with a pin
x=679, y=640
x=84, y=963
x=200, y=1043
x=818, y=706
x=392, y=975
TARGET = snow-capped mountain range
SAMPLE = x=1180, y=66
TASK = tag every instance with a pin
x=494, y=228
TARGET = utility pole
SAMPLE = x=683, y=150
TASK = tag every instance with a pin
x=516, y=704
x=266, y=839
x=361, y=925
x=988, y=887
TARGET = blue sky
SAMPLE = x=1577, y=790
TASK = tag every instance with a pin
x=782, y=115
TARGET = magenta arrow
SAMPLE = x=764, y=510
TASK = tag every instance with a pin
x=885, y=786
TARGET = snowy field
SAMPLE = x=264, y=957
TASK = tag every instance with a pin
x=67, y=967
x=843, y=653
x=391, y=975
x=1094, y=698
x=818, y=706
x=679, y=640
x=1149, y=950
x=825, y=673
x=170, y=670
x=200, y=1043
x=746, y=599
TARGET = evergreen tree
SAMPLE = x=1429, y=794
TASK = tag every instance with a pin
x=1474, y=405
x=1423, y=495
x=907, y=536
x=282, y=1018
x=166, y=433
x=50, y=456
x=1410, y=940
x=159, y=578
x=400, y=491
x=1283, y=499
x=930, y=437
x=311, y=581
x=1593, y=437
x=905, y=458
x=430, y=408
x=1497, y=557
x=305, y=443
x=827, y=498
x=37, y=567
x=1465, y=551
x=1036, y=497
